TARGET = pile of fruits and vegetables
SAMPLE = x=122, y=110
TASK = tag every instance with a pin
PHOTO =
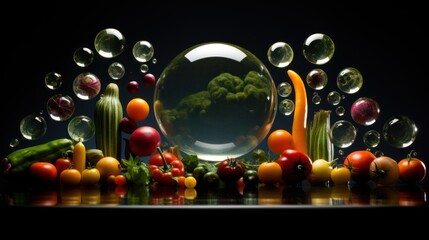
x=306, y=154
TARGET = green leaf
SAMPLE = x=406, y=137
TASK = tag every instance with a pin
x=190, y=162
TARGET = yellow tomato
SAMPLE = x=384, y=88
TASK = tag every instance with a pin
x=108, y=166
x=90, y=176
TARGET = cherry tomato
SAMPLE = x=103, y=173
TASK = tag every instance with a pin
x=62, y=164
x=137, y=109
x=90, y=176
x=43, y=171
x=70, y=177
x=269, y=172
x=320, y=172
x=120, y=180
x=190, y=182
x=157, y=160
x=230, y=170
x=280, y=140
x=340, y=175
x=411, y=170
x=181, y=181
x=111, y=180
x=250, y=178
x=358, y=162
x=384, y=171
x=296, y=165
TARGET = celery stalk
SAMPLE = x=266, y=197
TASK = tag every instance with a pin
x=318, y=142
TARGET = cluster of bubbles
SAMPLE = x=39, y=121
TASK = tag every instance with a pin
x=318, y=49
x=108, y=43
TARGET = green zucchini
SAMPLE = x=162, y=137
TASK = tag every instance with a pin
x=21, y=159
x=107, y=116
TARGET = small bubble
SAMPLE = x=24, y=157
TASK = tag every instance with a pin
x=286, y=107
x=33, y=127
x=284, y=89
x=399, y=131
x=154, y=60
x=53, y=80
x=86, y=86
x=317, y=79
x=316, y=99
x=365, y=111
x=14, y=142
x=342, y=134
x=116, y=71
x=109, y=43
x=83, y=57
x=340, y=110
x=143, y=51
x=334, y=98
x=81, y=128
x=318, y=48
x=349, y=80
x=144, y=68
x=371, y=138
x=341, y=152
x=280, y=54
x=60, y=107
x=378, y=153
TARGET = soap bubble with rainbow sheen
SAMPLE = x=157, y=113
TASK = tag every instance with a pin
x=60, y=107
x=286, y=107
x=342, y=134
x=33, y=127
x=109, y=43
x=284, y=89
x=86, y=86
x=371, y=138
x=53, y=80
x=334, y=98
x=81, y=128
x=399, y=131
x=83, y=57
x=317, y=79
x=318, y=48
x=280, y=54
x=365, y=111
x=143, y=51
x=349, y=80
x=116, y=70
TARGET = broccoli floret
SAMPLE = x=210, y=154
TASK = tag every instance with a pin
x=226, y=88
x=195, y=104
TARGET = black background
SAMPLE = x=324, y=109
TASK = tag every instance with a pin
x=383, y=43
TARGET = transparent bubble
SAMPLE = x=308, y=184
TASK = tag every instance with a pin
x=340, y=110
x=371, y=138
x=53, y=80
x=341, y=152
x=317, y=79
x=365, y=111
x=81, y=128
x=83, y=57
x=86, y=86
x=143, y=51
x=399, y=131
x=109, y=43
x=14, y=142
x=334, y=98
x=116, y=71
x=60, y=107
x=284, y=89
x=349, y=80
x=316, y=99
x=154, y=60
x=318, y=48
x=342, y=134
x=144, y=68
x=215, y=123
x=378, y=153
x=286, y=107
x=33, y=127
x=280, y=54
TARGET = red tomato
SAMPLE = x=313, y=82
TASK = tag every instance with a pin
x=43, y=171
x=120, y=180
x=384, y=171
x=230, y=170
x=157, y=160
x=412, y=170
x=358, y=162
x=144, y=141
x=296, y=165
x=62, y=164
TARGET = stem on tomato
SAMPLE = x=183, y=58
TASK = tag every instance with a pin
x=165, y=164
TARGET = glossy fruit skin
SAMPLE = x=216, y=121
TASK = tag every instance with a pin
x=138, y=109
x=412, y=170
x=230, y=170
x=62, y=164
x=384, y=171
x=340, y=175
x=321, y=169
x=296, y=165
x=280, y=140
x=108, y=166
x=70, y=177
x=250, y=178
x=358, y=163
x=269, y=172
x=43, y=171
x=90, y=176
x=144, y=141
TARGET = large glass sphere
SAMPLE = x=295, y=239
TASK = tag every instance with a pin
x=215, y=100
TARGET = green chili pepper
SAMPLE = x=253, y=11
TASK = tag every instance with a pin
x=21, y=159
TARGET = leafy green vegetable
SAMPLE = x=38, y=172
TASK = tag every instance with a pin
x=137, y=172
x=318, y=142
x=190, y=162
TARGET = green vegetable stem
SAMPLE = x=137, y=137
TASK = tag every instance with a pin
x=318, y=142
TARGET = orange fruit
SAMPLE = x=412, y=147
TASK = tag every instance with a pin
x=138, y=109
x=280, y=140
x=108, y=166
